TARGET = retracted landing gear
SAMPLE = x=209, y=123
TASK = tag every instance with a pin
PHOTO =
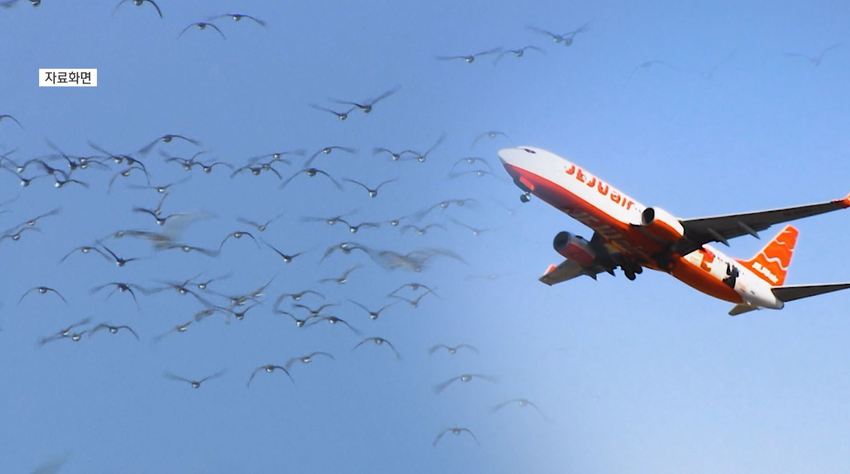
x=525, y=197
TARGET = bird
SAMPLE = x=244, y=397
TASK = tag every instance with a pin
x=422, y=157
x=421, y=230
x=196, y=383
x=342, y=279
x=394, y=155
x=237, y=17
x=202, y=25
x=519, y=52
x=269, y=368
x=64, y=332
x=456, y=430
x=16, y=235
x=647, y=65
x=299, y=295
x=327, y=150
x=373, y=192
x=452, y=350
x=122, y=287
x=332, y=220
x=179, y=329
x=346, y=248
x=354, y=228
x=367, y=105
x=475, y=230
x=373, y=314
x=378, y=341
x=816, y=59
x=566, y=39
x=257, y=170
x=11, y=118
x=470, y=58
x=471, y=160
x=465, y=378
x=238, y=234
x=260, y=226
x=60, y=183
x=315, y=312
x=477, y=173
x=414, y=302
x=311, y=172
x=489, y=134
x=112, y=329
x=520, y=402
x=167, y=138
x=119, y=262
x=299, y=322
x=307, y=358
x=415, y=286
x=161, y=188
x=42, y=290
x=333, y=320
x=339, y=115
x=139, y=3
x=287, y=257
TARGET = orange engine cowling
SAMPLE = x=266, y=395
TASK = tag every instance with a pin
x=575, y=248
x=661, y=224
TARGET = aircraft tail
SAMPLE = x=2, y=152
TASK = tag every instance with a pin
x=771, y=263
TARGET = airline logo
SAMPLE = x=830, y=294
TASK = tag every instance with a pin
x=602, y=187
x=771, y=264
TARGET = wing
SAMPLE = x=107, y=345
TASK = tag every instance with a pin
x=568, y=270
x=703, y=230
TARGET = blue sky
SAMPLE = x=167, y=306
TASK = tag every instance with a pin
x=634, y=377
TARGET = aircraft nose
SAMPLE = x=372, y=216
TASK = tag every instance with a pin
x=515, y=156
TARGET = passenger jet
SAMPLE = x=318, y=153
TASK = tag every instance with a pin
x=631, y=236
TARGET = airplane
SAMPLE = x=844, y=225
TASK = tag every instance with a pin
x=631, y=236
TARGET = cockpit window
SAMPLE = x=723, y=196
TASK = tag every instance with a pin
x=529, y=150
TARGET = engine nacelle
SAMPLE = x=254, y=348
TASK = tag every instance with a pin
x=575, y=248
x=661, y=224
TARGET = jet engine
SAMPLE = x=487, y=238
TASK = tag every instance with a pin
x=575, y=248
x=661, y=224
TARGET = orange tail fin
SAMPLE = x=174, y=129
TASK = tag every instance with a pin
x=772, y=262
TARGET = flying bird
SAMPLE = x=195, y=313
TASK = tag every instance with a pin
x=379, y=341
x=194, y=383
x=456, y=430
x=327, y=150
x=311, y=172
x=42, y=290
x=452, y=350
x=470, y=58
x=307, y=358
x=202, y=25
x=373, y=192
x=816, y=59
x=520, y=402
x=268, y=369
x=342, y=279
x=519, y=52
x=237, y=17
x=339, y=115
x=139, y=3
x=367, y=105
x=167, y=138
x=11, y=118
x=465, y=378
x=373, y=314
x=112, y=329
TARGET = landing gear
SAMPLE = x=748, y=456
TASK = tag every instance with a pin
x=632, y=271
x=525, y=197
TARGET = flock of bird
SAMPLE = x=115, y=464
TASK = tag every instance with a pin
x=163, y=224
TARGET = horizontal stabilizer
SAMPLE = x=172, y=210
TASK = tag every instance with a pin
x=796, y=292
x=567, y=270
x=742, y=308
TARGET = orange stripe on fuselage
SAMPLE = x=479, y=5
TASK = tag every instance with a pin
x=621, y=235
x=701, y=279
